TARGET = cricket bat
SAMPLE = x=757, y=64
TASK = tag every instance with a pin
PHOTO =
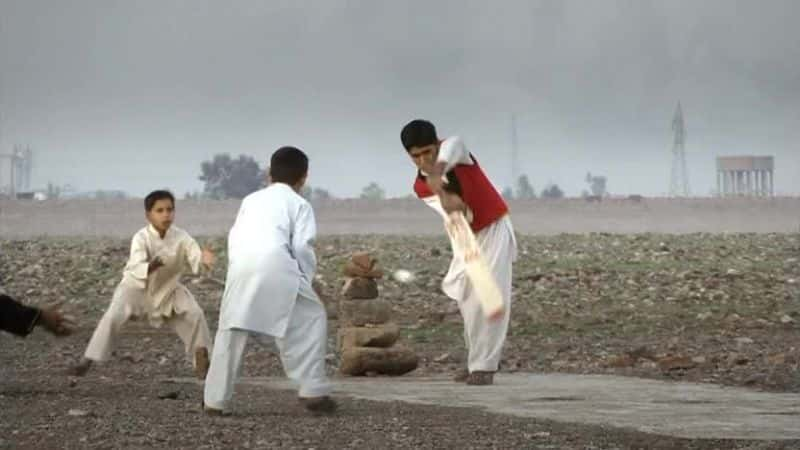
x=465, y=244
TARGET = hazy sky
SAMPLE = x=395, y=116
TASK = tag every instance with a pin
x=133, y=95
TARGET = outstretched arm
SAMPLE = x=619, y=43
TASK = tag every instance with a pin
x=19, y=319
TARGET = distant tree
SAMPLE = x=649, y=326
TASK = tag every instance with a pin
x=315, y=194
x=508, y=193
x=225, y=177
x=373, y=191
x=552, y=191
x=319, y=194
x=597, y=184
x=524, y=188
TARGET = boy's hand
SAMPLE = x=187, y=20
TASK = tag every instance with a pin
x=54, y=321
x=154, y=265
x=434, y=179
x=452, y=202
x=208, y=258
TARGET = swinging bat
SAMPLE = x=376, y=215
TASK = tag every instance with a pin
x=465, y=244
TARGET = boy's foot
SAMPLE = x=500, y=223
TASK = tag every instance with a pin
x=319, y=405
x=480, y=378
x=201, y=363
x=214, y=412
x=81, y=368
x=461, y=376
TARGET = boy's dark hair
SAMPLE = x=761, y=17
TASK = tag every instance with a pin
x=418, y=133
x=288, y=165
x=155, y=196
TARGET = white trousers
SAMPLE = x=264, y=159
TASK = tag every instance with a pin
x=302, y=352
x=187, y=320
x=485, y=339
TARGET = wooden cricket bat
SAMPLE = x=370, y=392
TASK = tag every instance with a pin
x=465, y=244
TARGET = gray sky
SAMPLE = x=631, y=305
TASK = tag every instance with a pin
x=134, y=95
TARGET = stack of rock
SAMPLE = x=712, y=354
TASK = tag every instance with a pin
x=367, y=337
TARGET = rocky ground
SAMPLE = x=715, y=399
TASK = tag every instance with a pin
x=721, y=308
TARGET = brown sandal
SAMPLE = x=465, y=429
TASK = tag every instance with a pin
x=480, y=378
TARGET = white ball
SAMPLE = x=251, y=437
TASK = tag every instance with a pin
x=403, y=276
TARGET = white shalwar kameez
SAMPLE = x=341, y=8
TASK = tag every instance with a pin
x=484, y=338
x=158, y=296
x=271, y=264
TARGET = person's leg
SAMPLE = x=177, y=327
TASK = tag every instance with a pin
x=226, y=364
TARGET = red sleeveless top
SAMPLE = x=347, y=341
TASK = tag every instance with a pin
x=475, y=189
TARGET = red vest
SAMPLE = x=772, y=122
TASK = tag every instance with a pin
x=477, y=192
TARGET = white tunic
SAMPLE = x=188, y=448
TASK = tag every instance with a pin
x=178, y=251
x=270, y=259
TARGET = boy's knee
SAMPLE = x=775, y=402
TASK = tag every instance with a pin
x=194, y=312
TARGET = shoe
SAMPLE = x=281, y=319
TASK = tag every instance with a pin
x=480, y=378
x=213, y=412
x=319, y=405
x=81, y=368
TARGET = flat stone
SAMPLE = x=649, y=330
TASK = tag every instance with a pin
x=360, y=289
x=386, y=361
x=357, y=313
x=379, y=336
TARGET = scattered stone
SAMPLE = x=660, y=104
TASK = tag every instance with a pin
x=442, y=358
x=777, y=359
x=621, y=361
x=171, y=395
x=671, y=363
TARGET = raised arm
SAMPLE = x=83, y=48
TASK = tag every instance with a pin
x=452, y=151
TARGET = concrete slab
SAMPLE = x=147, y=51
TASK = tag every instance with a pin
x=687, y=410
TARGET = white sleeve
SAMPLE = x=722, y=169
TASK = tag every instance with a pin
x=138, y=260
x=452, y=152
x=194, y=255
x=303, y=236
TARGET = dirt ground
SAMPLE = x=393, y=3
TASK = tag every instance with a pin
x=721, y=308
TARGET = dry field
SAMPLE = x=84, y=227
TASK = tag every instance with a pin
x=690, y=305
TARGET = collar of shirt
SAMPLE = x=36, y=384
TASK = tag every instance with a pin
x=152, y=230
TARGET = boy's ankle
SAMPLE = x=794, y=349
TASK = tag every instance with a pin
x=81, y=368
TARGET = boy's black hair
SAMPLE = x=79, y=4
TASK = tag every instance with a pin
x=288, y=165
x=418, y=133
x=155, y=196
